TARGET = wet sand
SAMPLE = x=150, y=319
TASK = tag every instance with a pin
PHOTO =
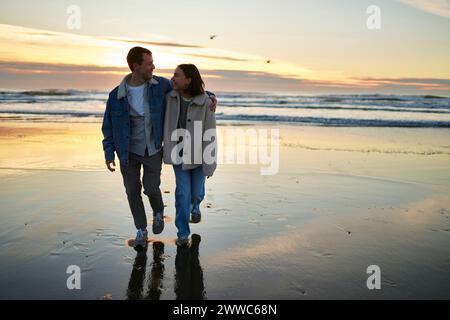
x=343, y=199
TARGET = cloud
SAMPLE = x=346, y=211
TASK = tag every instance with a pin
x=180, y=45
x=66, y=48
x=437, y=7
x=412, y=83
x=154, y=43
x=31, y=75
x=217, y=57
x=70, y=61
x=46, y=34
x=36, y=67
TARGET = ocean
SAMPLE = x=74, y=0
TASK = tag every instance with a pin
x=373, y=110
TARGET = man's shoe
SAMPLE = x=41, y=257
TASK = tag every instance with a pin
x=141, y=239
x=158, y=222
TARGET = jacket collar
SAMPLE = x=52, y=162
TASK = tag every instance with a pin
x=122, y=92
x=198, y=100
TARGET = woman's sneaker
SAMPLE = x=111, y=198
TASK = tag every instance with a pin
x=158, y=223
x=196, y=217
x=141, y=239
x=182, y=241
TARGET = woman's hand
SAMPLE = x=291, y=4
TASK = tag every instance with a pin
x=213, y=103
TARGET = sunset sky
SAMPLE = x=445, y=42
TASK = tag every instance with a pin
x=320, y=46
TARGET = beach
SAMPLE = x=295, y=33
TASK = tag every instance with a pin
x=332, y=126
x=343, y=199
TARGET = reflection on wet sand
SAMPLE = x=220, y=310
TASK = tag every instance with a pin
x=137, y=279
x=188, y=273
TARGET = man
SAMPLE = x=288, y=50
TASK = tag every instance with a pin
x=133, y=128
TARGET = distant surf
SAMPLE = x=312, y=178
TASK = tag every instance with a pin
x=324, y=110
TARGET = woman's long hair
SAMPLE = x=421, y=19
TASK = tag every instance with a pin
x=197, y=86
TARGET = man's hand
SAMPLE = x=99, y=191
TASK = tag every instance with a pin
x=108, y=165
x=213, y=103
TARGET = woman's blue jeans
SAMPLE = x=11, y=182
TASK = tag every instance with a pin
x=189, y=193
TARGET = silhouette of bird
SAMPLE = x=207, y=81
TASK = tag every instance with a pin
x=212, y=37
x=268, y=61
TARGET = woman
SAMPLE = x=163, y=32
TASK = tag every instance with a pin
x=189, y=144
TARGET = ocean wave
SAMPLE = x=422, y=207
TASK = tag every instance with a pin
x=47, y=93
x=416, y=109
x=375, y=110
x=369, y=101
x=433, y=97
x=315, y=121
x=49, y=96
x=426, y=152
x=335, y=122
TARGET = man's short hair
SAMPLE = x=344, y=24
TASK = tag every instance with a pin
x=135, y=55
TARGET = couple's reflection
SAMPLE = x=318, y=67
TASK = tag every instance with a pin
x=188, y=273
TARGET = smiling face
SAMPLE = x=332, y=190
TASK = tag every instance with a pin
x=145, y=69
x=179, y=80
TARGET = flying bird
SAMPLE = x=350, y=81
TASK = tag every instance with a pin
x=268, y=61
x=212, y=37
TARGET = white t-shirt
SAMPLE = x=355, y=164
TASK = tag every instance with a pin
x=135, y=97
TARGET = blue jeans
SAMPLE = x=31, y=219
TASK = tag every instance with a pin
x=189, y=193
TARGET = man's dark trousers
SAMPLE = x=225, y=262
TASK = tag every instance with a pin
x=151, y=180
